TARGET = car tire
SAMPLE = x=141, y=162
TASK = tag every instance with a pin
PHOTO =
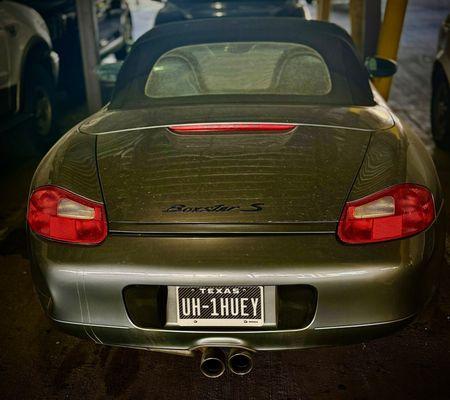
x=40, y=102
x=127, y=33
x=440, y=112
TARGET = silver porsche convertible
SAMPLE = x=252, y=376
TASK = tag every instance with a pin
x=245, y=189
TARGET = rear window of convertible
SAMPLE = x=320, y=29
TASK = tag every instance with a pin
x=262, y=68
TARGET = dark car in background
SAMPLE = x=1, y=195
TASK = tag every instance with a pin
x=114, y=31
x=179, y=10
x=440, y=101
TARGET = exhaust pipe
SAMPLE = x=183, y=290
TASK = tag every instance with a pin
x=240, y=362
x=212, y=363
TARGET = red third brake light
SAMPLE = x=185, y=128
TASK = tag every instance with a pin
x=397, y=212
x=58, y=214
x=232, y=127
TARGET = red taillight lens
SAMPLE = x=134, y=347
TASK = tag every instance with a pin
x=231, y=127
x=61, y=215
x=397, y=212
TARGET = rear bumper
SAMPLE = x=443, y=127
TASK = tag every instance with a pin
x=363, y=291
x=167, y=341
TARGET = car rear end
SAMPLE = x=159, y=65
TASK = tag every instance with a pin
x=232, y=240
x=261, y=220
x=313, y=289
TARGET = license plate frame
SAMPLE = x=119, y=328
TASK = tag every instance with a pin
x=245, y=306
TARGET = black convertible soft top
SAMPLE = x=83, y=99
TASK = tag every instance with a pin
x=350, y=80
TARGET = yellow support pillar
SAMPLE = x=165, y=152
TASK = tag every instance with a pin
x=323, y=9
x=389, y=39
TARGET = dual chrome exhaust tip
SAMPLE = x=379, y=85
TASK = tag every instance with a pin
x=215, y=360
x=212, y=363
x=240, y=362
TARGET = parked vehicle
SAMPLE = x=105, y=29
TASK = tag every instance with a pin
x=114, y=32
x=179, y=10
x=245, y=189
x=28, y=71
x=440, y=100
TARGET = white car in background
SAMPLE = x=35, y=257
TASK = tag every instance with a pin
x=28, y=71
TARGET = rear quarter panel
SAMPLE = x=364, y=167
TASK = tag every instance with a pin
x=71, y=164
x=396, y=156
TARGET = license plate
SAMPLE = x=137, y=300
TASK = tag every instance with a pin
x=220, y=305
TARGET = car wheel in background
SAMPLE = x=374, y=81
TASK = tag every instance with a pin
x=127, y=33
x=40, y=102
x=440, y=112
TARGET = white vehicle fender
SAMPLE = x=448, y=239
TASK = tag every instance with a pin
x=26, y=28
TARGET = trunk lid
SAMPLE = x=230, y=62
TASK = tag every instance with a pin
x=153, y=177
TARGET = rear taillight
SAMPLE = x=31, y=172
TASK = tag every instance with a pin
x=58, y=214
x=397, y=212
x=230, y=127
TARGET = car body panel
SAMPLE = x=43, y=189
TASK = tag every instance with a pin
x=388, y=284
x=71, y=164
x=241, y=170
x=356, y=118
x=186, y=177
x=396, y=156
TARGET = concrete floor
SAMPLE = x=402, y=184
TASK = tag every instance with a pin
x=38, y=362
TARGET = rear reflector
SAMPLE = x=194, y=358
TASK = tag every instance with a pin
x=231, y=127
x=58, y=214
x=397, y=212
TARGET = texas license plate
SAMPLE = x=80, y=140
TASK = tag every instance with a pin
x=220, y=306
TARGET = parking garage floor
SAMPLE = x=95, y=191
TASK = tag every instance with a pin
x=38, y=362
